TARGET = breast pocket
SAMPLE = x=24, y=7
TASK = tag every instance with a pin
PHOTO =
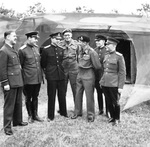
x=14, y=60
x=113, y=64
x=30, y=59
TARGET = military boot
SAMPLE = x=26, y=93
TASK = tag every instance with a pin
x=28, y=106
x=35, y=111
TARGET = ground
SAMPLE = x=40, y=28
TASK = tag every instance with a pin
x=132, y=131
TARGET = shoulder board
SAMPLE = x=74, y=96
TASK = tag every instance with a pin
x=75, y=41
x=47, y=46
x=23, y=47
x=91, y=49
x=36, y=45
x=117, y=53
x=106, y=53
x=61, y=47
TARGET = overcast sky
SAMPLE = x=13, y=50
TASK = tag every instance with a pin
x=101, y=6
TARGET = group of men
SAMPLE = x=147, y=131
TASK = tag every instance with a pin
x=62, y=59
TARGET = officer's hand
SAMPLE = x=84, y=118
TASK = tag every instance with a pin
x=120, y=90
x=6, y=87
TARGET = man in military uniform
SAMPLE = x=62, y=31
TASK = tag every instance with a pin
x=101, y=50
x=113, y=79
x=12, y=83
x=51, y=62
x=70, y=59
x=87, y=61
x=32, y=74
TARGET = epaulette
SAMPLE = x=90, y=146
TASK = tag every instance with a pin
x=45, y=47
x=36, y=45
x=117, y=53
x=23, y=47
x=61, y=46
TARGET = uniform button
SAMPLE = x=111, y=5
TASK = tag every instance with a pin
x=57, y=57
x=57, y=65
x=12, y=73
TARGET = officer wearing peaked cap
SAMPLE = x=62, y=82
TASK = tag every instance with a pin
x=51, y=62
x=32, y=34
x=113, y=78
x=32, y=74
x=101, y=50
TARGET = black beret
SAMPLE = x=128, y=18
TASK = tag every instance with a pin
x=84, y=39
x=66, y=30
x=112, y=40
x=33, y=34
x=56, y=35
x=100, y=37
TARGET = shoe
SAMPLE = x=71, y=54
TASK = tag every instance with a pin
x=37, y=118
x=49, y=120
x=30, y=119
x=75, y=116
x=111, y=120
x=116, y=122
x=101, y=112
x=8, y=132
x=65, y=116
x=90, y=119
x=21, y=124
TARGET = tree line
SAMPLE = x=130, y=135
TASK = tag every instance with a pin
x=38, y=8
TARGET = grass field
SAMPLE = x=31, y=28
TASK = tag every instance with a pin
x=133, y=131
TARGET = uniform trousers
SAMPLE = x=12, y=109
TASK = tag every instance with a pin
x=54, y=86
x=12, y=107
x=31, y=92
x=112, y=99
x=71, y=76
x=99, y=95
x=87, y=85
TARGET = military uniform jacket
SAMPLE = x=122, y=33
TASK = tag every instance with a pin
x=51, y=62
x=10, y=68
x=30, y=62
x=87, y=61
x=70, y=56
x=101, y=53
x=114, y=70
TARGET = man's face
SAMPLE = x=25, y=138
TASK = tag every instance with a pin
x=33, y=40
x=83, y=44
x=12, y=38
x=100, y=43
x=55, y=40
x=67, y=36
x=110, y=46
